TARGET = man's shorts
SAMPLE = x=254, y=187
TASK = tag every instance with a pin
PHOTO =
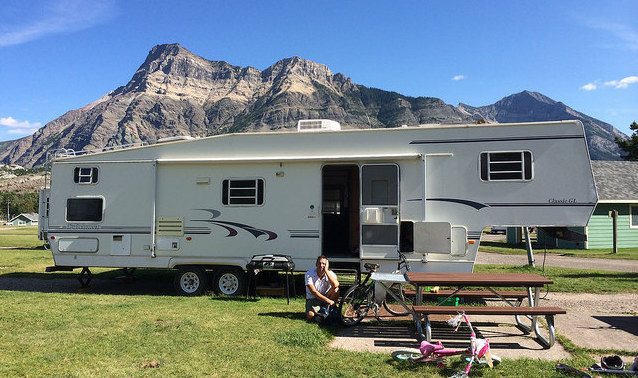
x=314, y=304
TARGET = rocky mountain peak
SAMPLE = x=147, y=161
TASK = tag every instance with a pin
x=528, y=106
x=175, y=92
x=298, y=66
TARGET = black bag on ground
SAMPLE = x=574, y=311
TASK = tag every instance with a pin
x=612, y=363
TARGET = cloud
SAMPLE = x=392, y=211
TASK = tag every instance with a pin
x=19, y=127
x=459, y=77
x=625, y=34
x=61, y=16
x=622, y=83
x=589, y=87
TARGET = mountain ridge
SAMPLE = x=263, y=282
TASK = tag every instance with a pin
x=176, y=92
x=528, y=106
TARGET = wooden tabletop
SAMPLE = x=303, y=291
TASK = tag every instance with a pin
x=478, y=279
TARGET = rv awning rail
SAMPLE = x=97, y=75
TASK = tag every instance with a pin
x=294, y=158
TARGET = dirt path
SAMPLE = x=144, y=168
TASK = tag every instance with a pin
x=552, y=259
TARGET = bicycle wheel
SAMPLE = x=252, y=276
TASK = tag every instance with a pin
x=483, y=360
x=408, y=354
x=391, y=304
x=354, y=305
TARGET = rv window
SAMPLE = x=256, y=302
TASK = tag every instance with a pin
x=85, y=175
x=506, y=166
x=243, y=192
x=84, y=209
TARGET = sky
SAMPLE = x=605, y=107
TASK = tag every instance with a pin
x=60, y=55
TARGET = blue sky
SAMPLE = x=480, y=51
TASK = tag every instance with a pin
x=60, y=55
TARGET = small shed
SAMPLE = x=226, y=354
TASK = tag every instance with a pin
x=24, y=219
x=617, y=185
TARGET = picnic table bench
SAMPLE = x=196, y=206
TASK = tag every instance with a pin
x=488, y=281
x=480, y=294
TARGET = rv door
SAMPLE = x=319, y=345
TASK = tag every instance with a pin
x=379, y=211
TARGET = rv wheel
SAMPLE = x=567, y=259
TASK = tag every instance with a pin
x=191, y=281
x=229, y=281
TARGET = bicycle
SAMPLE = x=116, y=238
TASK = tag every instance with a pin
x=478, y=351
x=398, y=290
x=359, y=299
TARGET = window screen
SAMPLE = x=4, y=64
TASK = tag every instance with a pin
x=380, y=185
x=243, y=192
x=84, y=209
x=85, y=175
x=634, y=216
x=506, y=166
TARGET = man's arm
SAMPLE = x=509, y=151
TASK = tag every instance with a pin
x=318, y=295
x=332, y=278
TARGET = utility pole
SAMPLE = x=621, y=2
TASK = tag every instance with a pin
x=614, y=217
x=8, y=217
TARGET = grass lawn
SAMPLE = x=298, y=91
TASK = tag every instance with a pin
x=504, y=248
x=79, y=335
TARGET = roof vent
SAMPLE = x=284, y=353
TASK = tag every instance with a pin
x=306, y=125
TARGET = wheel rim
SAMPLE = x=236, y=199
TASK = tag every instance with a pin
x=228, y=283
x=189, y=282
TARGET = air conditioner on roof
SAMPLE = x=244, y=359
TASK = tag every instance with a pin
x=318, y=125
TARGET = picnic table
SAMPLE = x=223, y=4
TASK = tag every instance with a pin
x=485, y=282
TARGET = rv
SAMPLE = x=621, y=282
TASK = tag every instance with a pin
x=210, y=204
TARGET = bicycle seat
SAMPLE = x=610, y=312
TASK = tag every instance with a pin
x=372, y=267
x=427, y=348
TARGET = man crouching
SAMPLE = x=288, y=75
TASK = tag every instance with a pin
x=322, y=288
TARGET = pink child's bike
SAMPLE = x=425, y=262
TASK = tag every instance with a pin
x=478, y=351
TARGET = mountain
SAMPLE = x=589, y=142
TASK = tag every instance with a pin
x=175, y=92
x=529, y=106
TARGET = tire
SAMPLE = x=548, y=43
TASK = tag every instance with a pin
x=408, y=354
x=191, y=281
x=354, y=305
x=396, y=288
x=229, y=281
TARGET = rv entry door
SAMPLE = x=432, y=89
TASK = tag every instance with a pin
x=379, y=211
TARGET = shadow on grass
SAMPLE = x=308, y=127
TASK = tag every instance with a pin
x=154, y=283
x=293, y=315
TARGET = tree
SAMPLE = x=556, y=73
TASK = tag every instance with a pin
x=630, y=146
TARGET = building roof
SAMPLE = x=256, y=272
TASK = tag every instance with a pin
x=616, y=181
x=33, y=217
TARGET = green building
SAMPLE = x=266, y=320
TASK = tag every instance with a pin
x=28, y=219
x=617, y=185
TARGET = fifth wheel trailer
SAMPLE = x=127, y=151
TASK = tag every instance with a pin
x=355, y=196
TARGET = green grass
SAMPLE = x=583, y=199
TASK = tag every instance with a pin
x=85, y=335
x=574, y=280
x=19, y=230
x=81, y=335
x=504, y=248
